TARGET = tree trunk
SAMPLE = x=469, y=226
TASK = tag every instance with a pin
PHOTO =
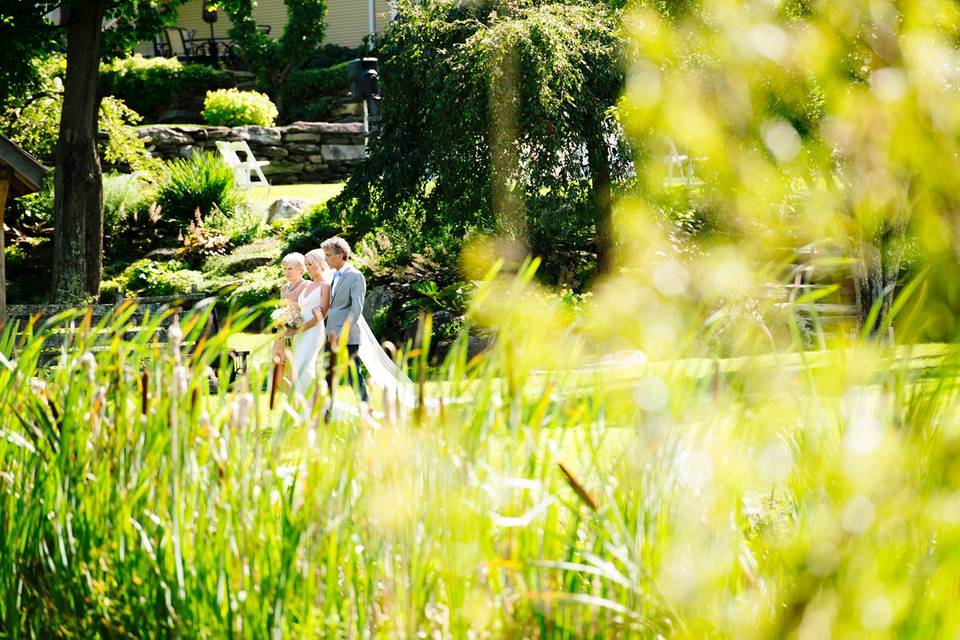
x=78, y=186
x=599, y=158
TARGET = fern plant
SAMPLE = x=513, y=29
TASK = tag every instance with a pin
x=202, y=182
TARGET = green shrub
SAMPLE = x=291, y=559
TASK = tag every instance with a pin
x=234, y=108
x=333, y=54
x=313, y=227
x=243, y=227
x=28, y=269
x=36, y=127
x=311, y=93
x=152, y=85
x=124, y=196
x=256, y=287
x=201, y=182
x=244, y=258
x=151, y=278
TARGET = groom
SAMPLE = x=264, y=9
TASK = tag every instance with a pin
x=346, y=308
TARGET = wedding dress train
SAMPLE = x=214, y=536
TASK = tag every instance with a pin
x=382, y=370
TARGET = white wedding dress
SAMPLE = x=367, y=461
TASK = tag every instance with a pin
x=383, y=371
x=307, y=344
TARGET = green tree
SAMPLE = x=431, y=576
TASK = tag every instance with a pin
x=78, y=189
x=496, y=115
x=274, y=60
x=815, y=122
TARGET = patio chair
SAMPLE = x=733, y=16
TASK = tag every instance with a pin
x=161, y=45
x=180, y=43
x=245, y=166
x=680, y=169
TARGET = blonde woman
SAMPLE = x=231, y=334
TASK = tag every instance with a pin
x=293, y=270
x=308, y=338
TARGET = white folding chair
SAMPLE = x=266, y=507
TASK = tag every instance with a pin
x=680, y=169
x=245, y=166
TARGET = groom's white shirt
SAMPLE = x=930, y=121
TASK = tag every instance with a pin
x=335, y=281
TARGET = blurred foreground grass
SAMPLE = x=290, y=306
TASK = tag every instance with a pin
x=792, y=490
x=735, y=486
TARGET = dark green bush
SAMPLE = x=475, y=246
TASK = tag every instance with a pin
x=315, y=226
x=310, y=94
x=151, y=85
x=306, y=84
x=332, y=54
x=141, y=231
x=29, y=248
x=201, y=182
x=28, y=270
x=319, y=110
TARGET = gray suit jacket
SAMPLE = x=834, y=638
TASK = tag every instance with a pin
x=346, y=302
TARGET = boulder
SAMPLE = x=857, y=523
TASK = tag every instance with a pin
x=274, y=152
x=260, y=135
x=285, y=208
x=278, y=167
x=303, y=148
x=220, y=133
x=477, y=345
x=302, y=137
x=342, y=152
x=377, y=298
x=164, y=136
x=323, y=128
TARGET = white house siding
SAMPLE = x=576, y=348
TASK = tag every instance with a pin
x=271, y=12
x=348, y=21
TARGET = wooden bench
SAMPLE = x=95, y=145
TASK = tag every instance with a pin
x=135, y=313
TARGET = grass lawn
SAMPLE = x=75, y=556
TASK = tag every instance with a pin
x=261, y=197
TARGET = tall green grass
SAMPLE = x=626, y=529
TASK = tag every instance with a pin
x=763, y=499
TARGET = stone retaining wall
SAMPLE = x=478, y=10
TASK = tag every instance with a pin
x=300, y=152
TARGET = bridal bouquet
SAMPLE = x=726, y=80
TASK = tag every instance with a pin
x=287, y=316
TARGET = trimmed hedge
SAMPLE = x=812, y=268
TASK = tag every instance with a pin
x=150, y=86
x=310, y=94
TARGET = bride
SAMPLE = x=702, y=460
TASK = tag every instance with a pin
x=308, y=339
